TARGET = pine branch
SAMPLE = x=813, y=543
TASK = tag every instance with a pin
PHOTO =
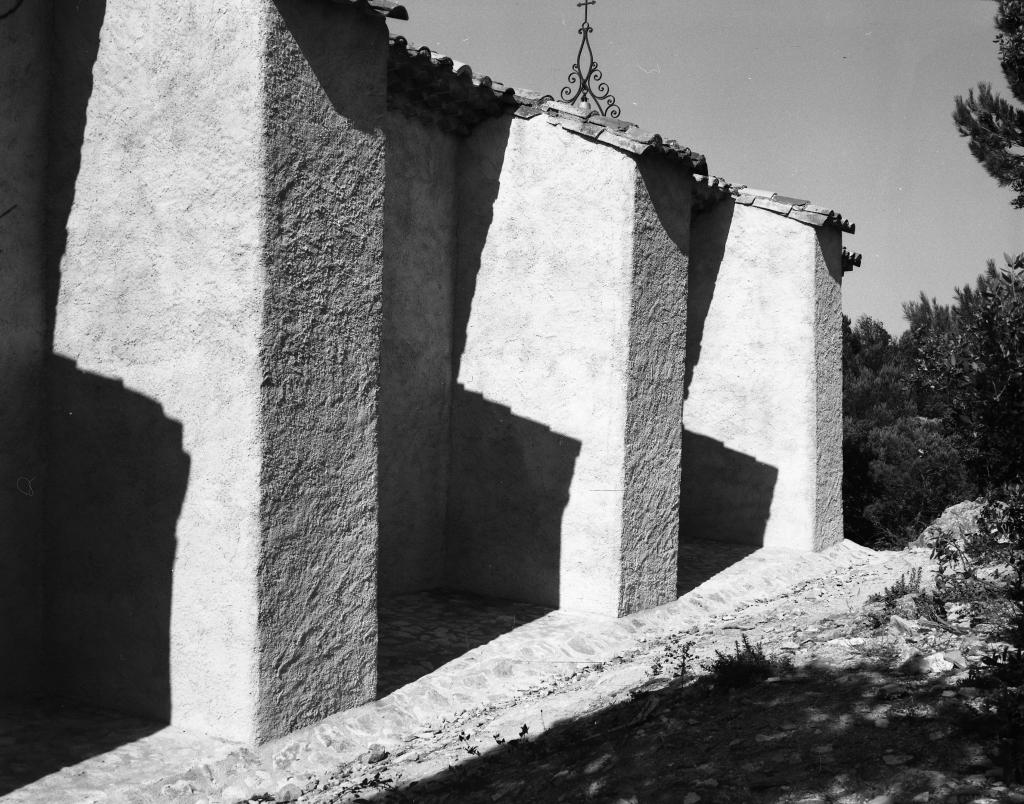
x=995, y=131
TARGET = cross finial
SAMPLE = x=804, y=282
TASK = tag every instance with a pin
x=585, y=82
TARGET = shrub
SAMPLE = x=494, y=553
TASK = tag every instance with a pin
x=907, y=584
x=674, y=661
x=976, y=364
x=917, y=471
x=996, y=546
x=747, y=665
x=900, y=470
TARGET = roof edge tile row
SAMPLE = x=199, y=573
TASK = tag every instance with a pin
x=712, y=188
x=439, y=90
x=380, y=8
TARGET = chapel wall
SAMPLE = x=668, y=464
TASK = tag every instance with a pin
x=416, y=352
x=212, y=499
x=153, y=434
x=541, y=346
x=657, y=336
x=762, y=421
x=554, y=342
x=324, y=106
x=24, y=96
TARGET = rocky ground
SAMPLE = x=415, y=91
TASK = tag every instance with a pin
x=872, y=708
x=862, y=704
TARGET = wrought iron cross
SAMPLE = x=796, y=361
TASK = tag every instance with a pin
x=586, y=85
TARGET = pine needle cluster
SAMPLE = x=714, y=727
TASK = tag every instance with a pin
x=994, y=125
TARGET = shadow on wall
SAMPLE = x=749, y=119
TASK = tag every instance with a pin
x=725, y=495
x=114, y=485
x=75, y=45
x=509, y=476
x=510, y=480
x=724, y=503
x=351, y=86
x=709, y=235
x=116, y=481
x=479, y=181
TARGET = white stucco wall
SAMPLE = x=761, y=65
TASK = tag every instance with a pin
x=212, y=494
x=416, y=352
x=763, y=408
x=24, y=95
x=828, y=356
x=654, y=396
x=325, y=95
x=160, y=289
x=547, y=338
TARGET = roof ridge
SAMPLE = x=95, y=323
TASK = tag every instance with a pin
x=383, y=8
x=458, y=99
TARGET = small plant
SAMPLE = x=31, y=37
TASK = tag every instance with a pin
x=906, y=584
x=747, y=665
x=986, y=570
x=372, y=783
x=464, y=740
x=674, y=661
x=515, y=742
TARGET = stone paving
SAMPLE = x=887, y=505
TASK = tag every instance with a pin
x=419, y=633
x=54, y=752
x=504, y=658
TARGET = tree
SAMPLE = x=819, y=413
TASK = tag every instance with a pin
x=977, y=366
x=899, y=469
x=994, y=125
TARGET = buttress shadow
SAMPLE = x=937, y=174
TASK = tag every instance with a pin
x=116, y=480
x=725, y=496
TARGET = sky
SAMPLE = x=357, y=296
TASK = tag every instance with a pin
x=846, y=103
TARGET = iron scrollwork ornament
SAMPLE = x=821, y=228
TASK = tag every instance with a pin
x=586, y=85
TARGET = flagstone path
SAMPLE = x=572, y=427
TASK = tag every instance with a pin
x=505, y=661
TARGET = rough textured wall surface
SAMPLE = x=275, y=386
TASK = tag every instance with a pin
x=542, y=340
x=24, y=92
x=828, y=356
x=325, y=84
x=416, y=353
x=156, y=181
x=320, y=350
x=654, y=400
x=749, y=450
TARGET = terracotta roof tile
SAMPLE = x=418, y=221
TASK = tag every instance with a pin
x=433, y=87
x=437, y=89
x=773, y=206
x=637, y=134
x=527, y=112
x=795, y=202
x=709, y=190
x=610, y=123
x=531, y=96
x=812, y=218
x=589, y=130
x=850, y=260
x=383, y=8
